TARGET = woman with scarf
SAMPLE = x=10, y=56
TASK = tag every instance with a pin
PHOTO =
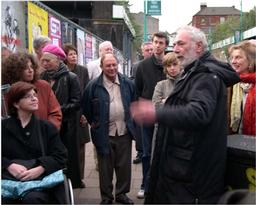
x=66, y=87
x=243, y=99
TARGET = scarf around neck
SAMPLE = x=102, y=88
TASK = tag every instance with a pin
x=249, y=115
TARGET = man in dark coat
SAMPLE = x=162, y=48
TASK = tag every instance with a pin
x=106, y=102
x=66, y=87
x=147, y=51
x=149, y=72
x=190, y=155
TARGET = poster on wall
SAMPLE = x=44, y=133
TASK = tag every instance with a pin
x=55, y=30
x=37, y=23
x=67, y=33
x=80, y=46
x=94, y=48
x=13, y=25
x=88, y=47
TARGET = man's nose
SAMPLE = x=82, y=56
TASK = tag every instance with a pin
x=175, y=49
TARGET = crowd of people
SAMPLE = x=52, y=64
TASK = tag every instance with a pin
x=179, y=108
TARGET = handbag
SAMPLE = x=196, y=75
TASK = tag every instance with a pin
x=17, y=189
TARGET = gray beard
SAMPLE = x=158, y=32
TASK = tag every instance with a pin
x=189, y=59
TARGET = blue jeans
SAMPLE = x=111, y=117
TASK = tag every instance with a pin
x=147, y=135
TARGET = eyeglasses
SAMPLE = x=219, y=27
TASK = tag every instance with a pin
x=30, y=96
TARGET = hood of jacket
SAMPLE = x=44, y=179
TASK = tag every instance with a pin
x=207, y=63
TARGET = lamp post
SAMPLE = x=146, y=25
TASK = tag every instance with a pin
x=241, y=21
x=145, y=37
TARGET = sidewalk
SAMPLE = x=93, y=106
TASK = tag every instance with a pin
x=91, y=194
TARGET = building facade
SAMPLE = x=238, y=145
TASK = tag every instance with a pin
x=209, y=17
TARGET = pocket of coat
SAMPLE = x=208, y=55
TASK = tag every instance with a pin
x=178, y=164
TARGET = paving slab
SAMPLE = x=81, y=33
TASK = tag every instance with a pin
x=91, y=194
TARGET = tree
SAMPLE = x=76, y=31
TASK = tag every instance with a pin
x=229, y=27
x=138, y=39
x=226, y=29
x=250, y=19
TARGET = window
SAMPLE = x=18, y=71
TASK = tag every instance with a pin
x=203, y=21
x=222, y=19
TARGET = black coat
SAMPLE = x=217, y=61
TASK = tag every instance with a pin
x=82, y=74
x=190, y=155
x=149, y=72
x=67, y=90
x=23, y=144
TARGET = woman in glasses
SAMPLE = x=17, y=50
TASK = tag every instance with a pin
x=31, y=148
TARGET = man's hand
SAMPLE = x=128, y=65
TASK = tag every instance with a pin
x=143, y=112
x=83, y=121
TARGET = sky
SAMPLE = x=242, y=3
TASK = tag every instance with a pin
x=176, y=13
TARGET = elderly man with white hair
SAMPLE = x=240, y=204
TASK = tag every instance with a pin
x=94, y=69
x=188, y=166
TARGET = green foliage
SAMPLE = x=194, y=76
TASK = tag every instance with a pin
x=226, y=29
x=138, y=39
x=249, y=19
x=229, y=27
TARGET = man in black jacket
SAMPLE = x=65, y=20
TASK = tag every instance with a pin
x=190, y=154
x=149, y=72
x=147, y=51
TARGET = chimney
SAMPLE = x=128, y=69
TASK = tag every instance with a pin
x=203, y=5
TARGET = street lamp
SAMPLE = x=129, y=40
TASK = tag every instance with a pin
x=241, y=21
x=145, y=37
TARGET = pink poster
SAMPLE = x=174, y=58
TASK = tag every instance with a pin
x=88, y=47
x=55, y=30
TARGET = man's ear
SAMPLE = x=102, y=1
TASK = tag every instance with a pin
x=199, y=47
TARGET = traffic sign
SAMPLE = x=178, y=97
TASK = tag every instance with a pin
x=154, y=7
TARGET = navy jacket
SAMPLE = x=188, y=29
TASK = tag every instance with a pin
x=95, y=104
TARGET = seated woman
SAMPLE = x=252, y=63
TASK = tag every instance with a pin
x=31, y=148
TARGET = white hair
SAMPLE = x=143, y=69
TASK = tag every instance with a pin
x=196, y=34
x=104, y=43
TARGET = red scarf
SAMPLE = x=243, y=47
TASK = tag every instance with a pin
x=249, y=116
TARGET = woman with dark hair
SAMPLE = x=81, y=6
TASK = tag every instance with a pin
x=31, y=148
x=22, y=66
x=82, y=126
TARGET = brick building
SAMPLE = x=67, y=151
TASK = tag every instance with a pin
x=208, y=17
